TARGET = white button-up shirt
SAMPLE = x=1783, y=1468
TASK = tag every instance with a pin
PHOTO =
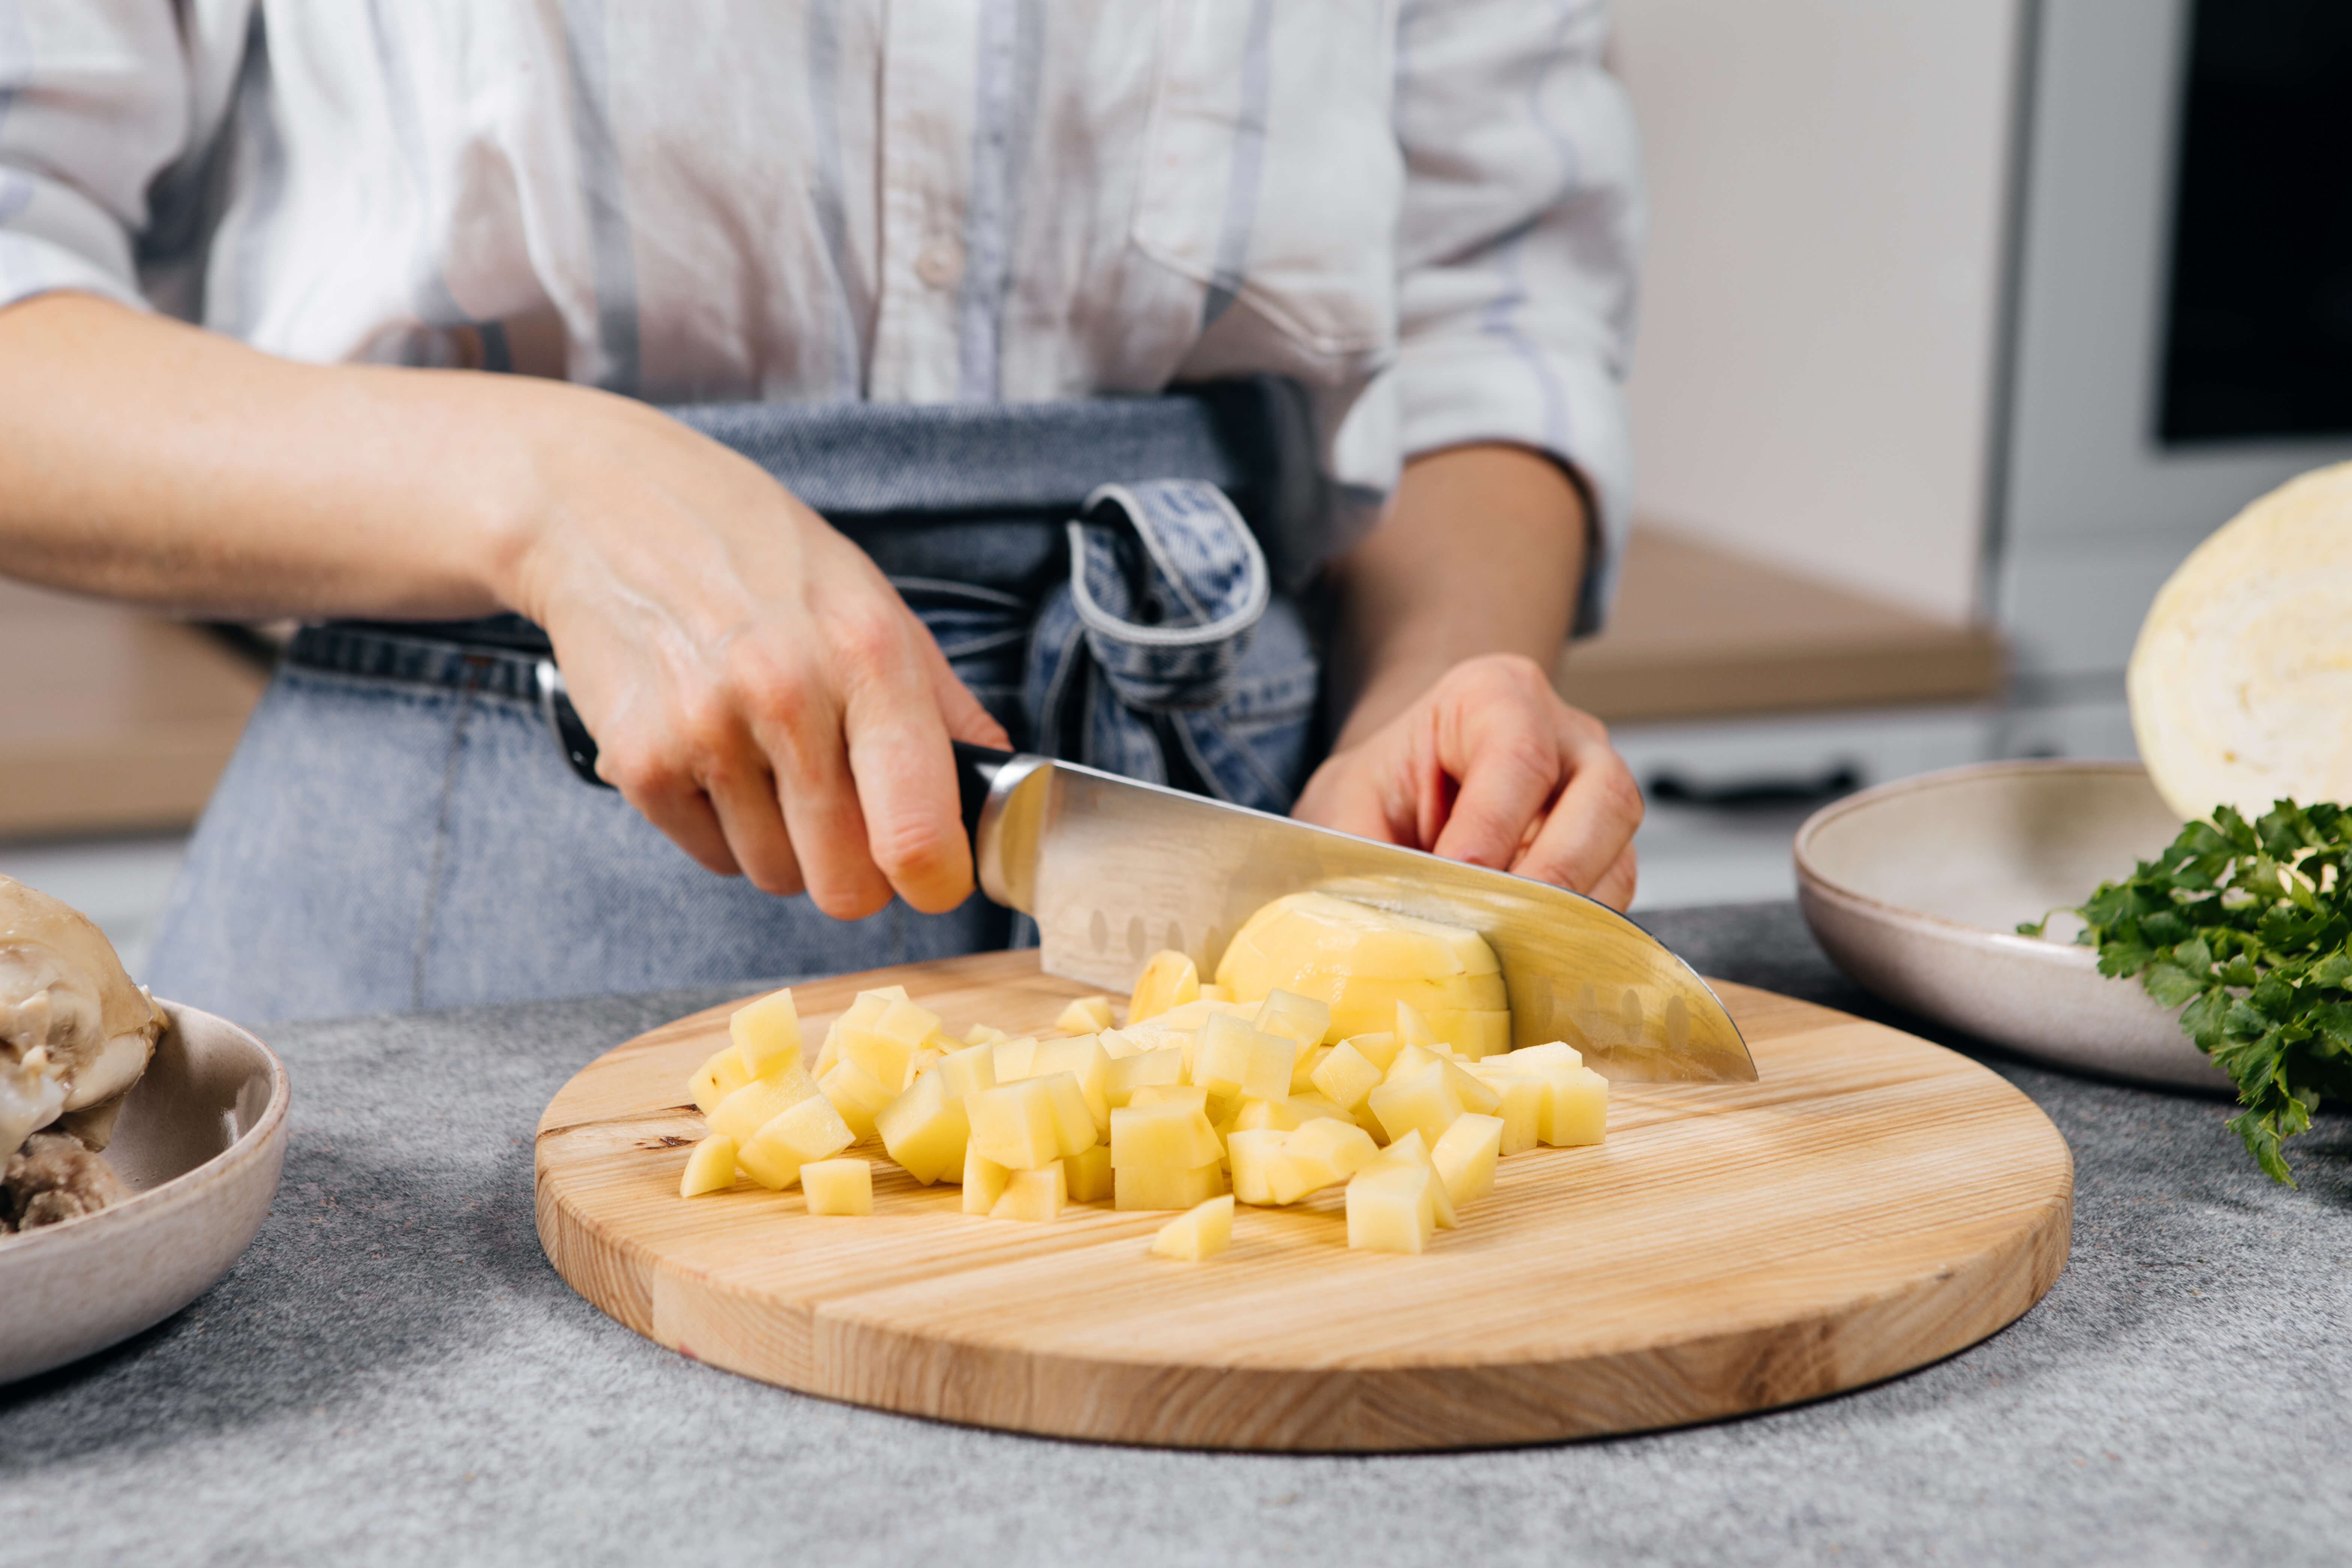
x=1426, y=212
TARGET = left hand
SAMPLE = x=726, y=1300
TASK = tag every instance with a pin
x=1488, y=766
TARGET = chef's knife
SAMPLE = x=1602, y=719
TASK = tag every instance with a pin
x=1113, y=869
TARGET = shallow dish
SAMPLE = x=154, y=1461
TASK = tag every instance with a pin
x=1915, y=889
x=201, y=1141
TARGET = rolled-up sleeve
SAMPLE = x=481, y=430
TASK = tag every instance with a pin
x=1517, y=247
x=94, y=103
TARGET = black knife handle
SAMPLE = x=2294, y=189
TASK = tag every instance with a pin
x=976, y=770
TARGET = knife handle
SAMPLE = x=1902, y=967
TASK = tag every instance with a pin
x=976, y=771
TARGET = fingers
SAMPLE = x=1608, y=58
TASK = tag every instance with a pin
x=1616, y=887
x=1590, y=830
x=1509, y=773
x=966, y=719
x=896, y=735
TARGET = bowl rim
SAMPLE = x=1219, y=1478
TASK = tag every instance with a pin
x=188, y=1185
x=1812, y=878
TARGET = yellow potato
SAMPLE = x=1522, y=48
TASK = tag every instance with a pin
x=1153, y=1187
x=709, y=1168
x=838, y=1186
x=1170, y=979
x=766, y=1032
x=926, y=1129
x=810, y=1130
x=1199, y=1233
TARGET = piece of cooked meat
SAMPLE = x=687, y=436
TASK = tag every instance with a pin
x=75, y=1031
x=53, y=1179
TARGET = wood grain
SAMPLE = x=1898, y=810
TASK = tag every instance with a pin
x=1873, y=1204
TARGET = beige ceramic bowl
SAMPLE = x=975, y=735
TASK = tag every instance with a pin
x=1915, y=888
x=201, y=1141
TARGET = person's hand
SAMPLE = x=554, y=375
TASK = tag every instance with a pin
x=755, y=686
x=1490, y=767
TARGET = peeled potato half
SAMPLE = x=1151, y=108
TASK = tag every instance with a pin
x=2241, y=678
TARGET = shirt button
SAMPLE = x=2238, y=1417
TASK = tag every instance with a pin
x=939, y=262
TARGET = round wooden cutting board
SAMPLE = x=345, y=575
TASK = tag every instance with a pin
x=1873, y=1204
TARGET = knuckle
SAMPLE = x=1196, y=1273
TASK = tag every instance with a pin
x=767, y=680
x=642, y=772
x=912, y=848
x=867, y=639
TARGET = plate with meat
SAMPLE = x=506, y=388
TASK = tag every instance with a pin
x=140, y=1142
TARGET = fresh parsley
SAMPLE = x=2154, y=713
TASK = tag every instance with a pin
x=2251, y=925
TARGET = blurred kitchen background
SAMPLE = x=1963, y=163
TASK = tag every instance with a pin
x=1963, y=321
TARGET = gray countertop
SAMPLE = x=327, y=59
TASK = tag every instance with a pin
x=394, y=1372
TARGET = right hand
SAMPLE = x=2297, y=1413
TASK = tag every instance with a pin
x=756, y=686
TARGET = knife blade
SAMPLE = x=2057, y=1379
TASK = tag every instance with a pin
x=1113, y=869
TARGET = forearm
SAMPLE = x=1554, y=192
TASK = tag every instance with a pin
x=144, y=460
x=1482, y=553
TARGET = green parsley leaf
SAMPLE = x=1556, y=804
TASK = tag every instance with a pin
x=2247, y=928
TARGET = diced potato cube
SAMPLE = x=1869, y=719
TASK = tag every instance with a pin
x=1414, y=1149
x=1294, y=1017
x=1392, y=1208
x=1316, y=1156
x=810, y=1130
x=1013, y=1124
x=766, y=1032
x=743, y=1112
x=1465, y=1155
x=1074, y=1121
x=984, y=1034
x=1308, y=1107
x=1478, y=1032
x=1378, y=1048
x=1117, y=1043
x=1235, y=1059
x=984, y=1182
x=1191, y=1094
x=1553, y=1054
x=1037, y=1195
x=1170, y=979
x=1302, y=1071
x=1173, y=1137
x=1347, y=1076
x=716, y=1079
x=855, y=1095
x=1156, y=1187
x=1013, y=1056
x=1575, y=1108
x=969, y=1071
x=1199, y=1233
x=1128, y=1076
x=1412, y=1029
x=1086, y=1016
x=1087, y=1175
x=1467, y=1086
x=1255, y=1114
x=838, y=1186
x=1521, y=1107
x=1083, y=1058
x=1213, y=991
x=925, y=1130
x=709, y=1168
x=1252, y=1152
x=826, y=1054
x=885, y=1048
x=1421, y=1102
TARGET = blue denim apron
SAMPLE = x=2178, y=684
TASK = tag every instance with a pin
x=1118, y=581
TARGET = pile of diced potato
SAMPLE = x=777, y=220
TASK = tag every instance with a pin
x=1239, y=1090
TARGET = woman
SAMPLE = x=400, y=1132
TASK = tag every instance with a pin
x=925, y=265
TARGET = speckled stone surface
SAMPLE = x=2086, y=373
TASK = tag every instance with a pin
x=393, y=1374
